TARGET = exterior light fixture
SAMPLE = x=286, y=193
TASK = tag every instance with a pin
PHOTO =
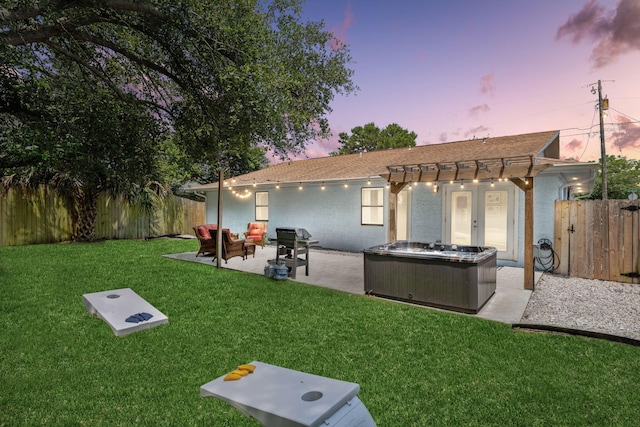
x=475, y=180
x=492, y=184
x=299, y=186
x=346, y=185
x=322, y=186
x=461, y=184
x=278, y=184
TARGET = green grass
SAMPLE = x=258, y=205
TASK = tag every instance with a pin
x=415, y=366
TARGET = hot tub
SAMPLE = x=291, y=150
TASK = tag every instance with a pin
x=456, y=277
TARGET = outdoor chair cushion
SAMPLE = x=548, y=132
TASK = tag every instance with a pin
x=207, y=244
x=256, y=231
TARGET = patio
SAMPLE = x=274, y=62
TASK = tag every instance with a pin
x=344, y=271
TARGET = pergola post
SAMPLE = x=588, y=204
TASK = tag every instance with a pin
x=527, y=187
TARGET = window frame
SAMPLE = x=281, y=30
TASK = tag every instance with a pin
x=371, y=207
x=261, y=206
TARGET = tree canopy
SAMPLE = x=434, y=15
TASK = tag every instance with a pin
x=623, y=176
x=371, y=138
x=114, y=94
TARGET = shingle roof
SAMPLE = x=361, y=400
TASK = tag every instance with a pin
x=532, y=146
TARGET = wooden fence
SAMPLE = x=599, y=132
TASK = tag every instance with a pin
x=598, y=240
x=43, y=218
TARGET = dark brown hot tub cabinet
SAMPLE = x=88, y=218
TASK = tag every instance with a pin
x=456, y=277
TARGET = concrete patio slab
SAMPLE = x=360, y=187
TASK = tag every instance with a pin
x=344, y=271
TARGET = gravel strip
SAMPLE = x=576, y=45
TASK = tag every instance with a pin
x=589, y=305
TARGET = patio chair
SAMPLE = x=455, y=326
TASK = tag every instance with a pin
x=230, y=247
x=257, y=232
x=207, y=244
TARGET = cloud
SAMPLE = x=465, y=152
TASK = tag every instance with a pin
x=487, y=86
x=421, y=55
x=340, y=31
x=628, y=135
x=574, y=145
x=479, y=109
x=477, y=132
x=616, y=32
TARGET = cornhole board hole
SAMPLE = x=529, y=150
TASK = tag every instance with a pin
x=280, y=397
x=116, y=306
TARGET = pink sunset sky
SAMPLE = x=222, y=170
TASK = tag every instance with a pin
x=458, y=69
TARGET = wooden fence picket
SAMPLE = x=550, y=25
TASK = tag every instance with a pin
x=598, y=240
x=42, y=217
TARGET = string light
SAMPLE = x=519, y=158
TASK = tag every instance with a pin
x=244, y=195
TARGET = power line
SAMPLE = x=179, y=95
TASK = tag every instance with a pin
x=589, y=138
x=620, y=112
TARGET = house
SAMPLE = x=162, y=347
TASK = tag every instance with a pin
x=496, y=191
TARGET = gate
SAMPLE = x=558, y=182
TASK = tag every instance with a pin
x=595, y=239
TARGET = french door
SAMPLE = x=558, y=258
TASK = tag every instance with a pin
x=402, y=215
x=482, y=215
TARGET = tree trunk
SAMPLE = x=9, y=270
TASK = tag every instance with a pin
x=84, y=216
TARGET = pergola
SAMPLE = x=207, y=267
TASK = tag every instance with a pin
x=520, y=170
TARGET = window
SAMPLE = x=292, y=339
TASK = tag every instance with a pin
x=372, y=206
x=262, y=206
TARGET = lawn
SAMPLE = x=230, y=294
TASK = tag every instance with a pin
x=415, y=366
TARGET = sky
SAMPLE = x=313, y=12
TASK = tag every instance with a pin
x=460, y=69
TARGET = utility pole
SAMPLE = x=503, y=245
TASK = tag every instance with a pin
x=603, y=154
x=603, y=263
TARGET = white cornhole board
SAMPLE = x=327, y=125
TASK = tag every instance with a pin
x=114, y=307
x=282, y=397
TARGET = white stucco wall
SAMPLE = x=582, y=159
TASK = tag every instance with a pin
x=545, y=194
x=332, y=215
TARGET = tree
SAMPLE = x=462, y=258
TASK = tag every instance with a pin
x=89, y=144
x=623, y=175
x=371, y=138
x=218, y=80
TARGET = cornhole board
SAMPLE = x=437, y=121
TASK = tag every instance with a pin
x=282, y=397
x=115, y=306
